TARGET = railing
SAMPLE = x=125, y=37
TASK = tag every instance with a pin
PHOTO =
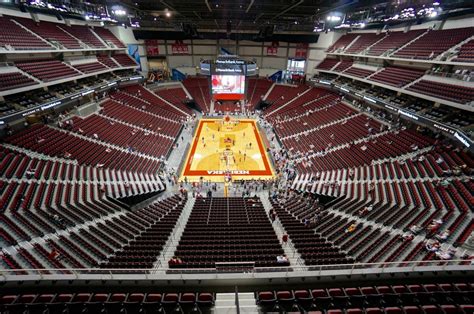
x=458, y=76
x=6, y=64
x=256, y=272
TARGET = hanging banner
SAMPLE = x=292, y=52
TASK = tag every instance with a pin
x=273, y=49
x=179, y=48
x=301, y=51
x=152, y=49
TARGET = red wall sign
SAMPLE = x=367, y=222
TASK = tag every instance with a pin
x=301, y=50
x=273, y=49
x=152, y=49
x=179, y=47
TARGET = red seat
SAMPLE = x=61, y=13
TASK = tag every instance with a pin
x=373, y=310
x=187, y=298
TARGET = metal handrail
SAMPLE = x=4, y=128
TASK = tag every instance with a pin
x=18, y=274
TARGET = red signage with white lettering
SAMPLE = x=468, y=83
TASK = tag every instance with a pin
x=179, y=48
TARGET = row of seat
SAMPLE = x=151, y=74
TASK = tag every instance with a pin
x=123, y=135
x=422, y=43
x=240, y=227
x=56, y=143
x=313, y=99
x=69, y=37
x=456, y=93
x=434, y=42
x=134, y=302
x=282, y=94
x=130, y=235
x=143, y=93
x=257, y=89
x=198, y=87
x=396, y=76
x=12, y=80
x=176, y=96
x=416, y=298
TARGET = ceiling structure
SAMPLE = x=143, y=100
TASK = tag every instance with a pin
x=238, y=15
x=261, y=18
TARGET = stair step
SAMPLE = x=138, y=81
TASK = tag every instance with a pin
x=232, y=310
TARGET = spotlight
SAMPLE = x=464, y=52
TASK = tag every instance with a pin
x=333, y=18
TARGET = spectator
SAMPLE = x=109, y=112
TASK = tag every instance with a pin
x=175, y=261
x=432, y=246
x=54, y=255
x=351, y=228
x=443, y=236
x=415, y=229
x=274, y=215
x=408, y=237
x=282, y=259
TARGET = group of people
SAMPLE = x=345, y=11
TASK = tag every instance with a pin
x=434, y=238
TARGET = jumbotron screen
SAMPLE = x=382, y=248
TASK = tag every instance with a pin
x=228, y=87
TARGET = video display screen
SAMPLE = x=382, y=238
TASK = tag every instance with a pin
x=228, y=87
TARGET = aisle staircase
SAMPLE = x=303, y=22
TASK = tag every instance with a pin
x=226, y=303
x=290, y=251
x=170, y=247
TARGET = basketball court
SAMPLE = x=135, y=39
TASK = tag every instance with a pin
x=227, y=148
